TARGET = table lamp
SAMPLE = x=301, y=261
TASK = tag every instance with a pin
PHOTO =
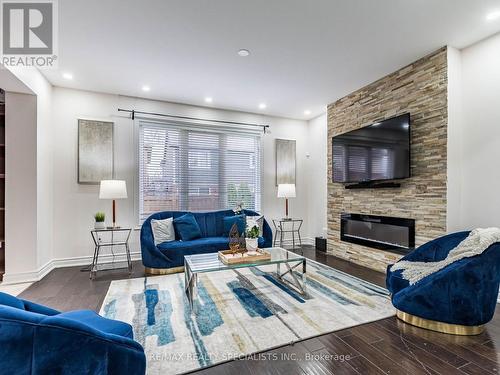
x=113, y=189
x=286, y=191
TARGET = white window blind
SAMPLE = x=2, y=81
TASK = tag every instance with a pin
x=196, y=168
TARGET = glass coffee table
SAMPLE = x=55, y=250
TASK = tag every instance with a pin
x=201, y=263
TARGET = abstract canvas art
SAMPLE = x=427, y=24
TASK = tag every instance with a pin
x=285, y=161
x=95, y=151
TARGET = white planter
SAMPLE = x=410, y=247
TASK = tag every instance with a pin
x=100, y=225
x=251, y=244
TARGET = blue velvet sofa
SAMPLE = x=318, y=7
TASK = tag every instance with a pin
x=168, y=257
x=458, y=299
x=35, y=339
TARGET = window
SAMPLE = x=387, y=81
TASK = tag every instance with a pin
x=194, y=168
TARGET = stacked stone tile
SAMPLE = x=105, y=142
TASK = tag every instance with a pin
x=421, y=89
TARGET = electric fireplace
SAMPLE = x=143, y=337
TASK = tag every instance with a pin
x=379, y=232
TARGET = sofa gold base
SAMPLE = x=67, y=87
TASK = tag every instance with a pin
x=452, y=329
x=163, y=271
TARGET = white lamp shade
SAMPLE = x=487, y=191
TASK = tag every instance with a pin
x=286, y=191
x=113, y=189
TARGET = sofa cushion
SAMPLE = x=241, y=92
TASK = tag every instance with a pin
x=229, y=221
x=163, y=230
x=175, y=251
x=187, y=227
x=220, y=242
x=92, y=319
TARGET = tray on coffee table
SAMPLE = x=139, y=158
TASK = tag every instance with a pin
x=228, y=257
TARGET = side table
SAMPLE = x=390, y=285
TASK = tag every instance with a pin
x=284, y=226
x=121, y=240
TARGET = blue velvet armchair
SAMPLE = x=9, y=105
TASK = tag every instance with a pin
x=458, y=299
x=168, y=257
x=35, y=339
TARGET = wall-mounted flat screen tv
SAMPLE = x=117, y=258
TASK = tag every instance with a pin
x=377, y=152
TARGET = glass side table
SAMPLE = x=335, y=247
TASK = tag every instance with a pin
x=117, y=237
x=285, y=226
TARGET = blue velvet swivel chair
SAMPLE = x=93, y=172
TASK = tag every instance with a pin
x=168, y=257
x=35, y=339
x=458, y=299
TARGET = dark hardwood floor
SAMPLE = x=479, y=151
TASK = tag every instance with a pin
x=387, y=346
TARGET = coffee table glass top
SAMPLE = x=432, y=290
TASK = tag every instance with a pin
x=210, y=262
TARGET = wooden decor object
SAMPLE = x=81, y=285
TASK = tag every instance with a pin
x=234, y=239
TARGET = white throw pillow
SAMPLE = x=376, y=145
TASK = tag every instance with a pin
x=163, y=230
x=256, y=220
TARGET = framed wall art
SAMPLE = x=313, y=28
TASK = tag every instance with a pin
x=95, y=151
x=285, y=161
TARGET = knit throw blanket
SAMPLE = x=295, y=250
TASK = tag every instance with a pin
x=476, y=242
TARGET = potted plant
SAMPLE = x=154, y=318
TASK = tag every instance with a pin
x=251, y=238
x=99, y=220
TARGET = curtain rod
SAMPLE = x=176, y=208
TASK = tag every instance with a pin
x=133, y=112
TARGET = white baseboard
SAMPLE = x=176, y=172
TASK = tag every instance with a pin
x=27, y=277
x=30, y=277
x=289, y=242
x=85, y=260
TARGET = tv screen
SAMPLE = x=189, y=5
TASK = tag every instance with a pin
x=377, y=152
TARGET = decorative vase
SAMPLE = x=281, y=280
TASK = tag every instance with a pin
x=99, y=225
x=251, y=244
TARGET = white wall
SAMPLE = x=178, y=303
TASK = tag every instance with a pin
x=45, y=197
x=480, y=190
x=317, y=180
x=20, y=185
x=74, y=205
x=41, y=91
x=455, y=129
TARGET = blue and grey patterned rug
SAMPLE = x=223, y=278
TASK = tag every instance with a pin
x=239, y=312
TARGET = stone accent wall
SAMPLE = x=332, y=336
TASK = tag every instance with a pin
x=421, y=89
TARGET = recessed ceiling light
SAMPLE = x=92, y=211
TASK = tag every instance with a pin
x=208, y=99
x=307, y=112
x=243, y=52
x=68, y=76
x=262, y=106
x=146, y=88
x=493, y=16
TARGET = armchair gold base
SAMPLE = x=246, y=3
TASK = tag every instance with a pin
x=452, y=329
x=163, y=271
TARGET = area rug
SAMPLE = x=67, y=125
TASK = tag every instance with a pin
x=238, y=312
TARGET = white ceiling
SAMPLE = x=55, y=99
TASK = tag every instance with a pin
x=304, y=53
